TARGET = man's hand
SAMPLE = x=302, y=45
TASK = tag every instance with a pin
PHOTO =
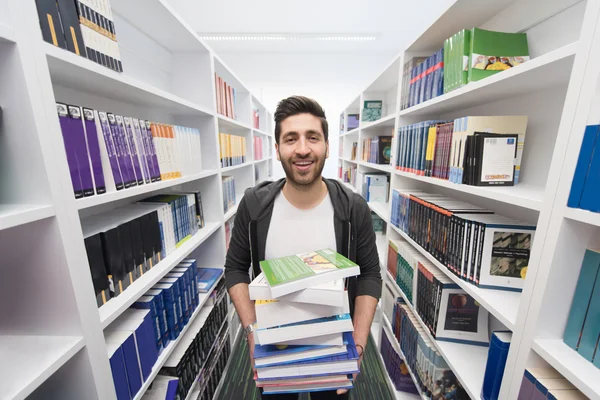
x=250, y=340
x=359, y=350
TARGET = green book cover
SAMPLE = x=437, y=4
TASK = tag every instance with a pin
x=492, y=52
x=446, y=65
x=372, y=110
x=304, y=265
x=464, y=52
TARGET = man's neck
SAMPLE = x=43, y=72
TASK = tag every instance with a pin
x=305, y=197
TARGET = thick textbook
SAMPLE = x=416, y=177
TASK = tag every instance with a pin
x=582, y=170
x=207, y=278
x=292, y=273
x=492, y=52
x=162, y=388
x=494, y=369
x=305, y=380
x=270, y=313
x=304, y=330
x=334, y=339
x=327, y=294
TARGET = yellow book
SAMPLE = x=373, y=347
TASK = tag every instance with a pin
x=430, y=153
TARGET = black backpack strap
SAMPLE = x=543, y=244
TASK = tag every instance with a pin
x=253, y=207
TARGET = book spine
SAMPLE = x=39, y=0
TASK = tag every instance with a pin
x=81, y=151
x=583, y=165
x=68, y=140
x=93, y=148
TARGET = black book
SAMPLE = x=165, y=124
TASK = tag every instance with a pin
x=70, y=24
x=52, y=30
x=113, y=257
x=137, y=245
x=93, y=247
x=494, y=159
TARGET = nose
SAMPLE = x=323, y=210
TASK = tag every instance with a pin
x=302, y=147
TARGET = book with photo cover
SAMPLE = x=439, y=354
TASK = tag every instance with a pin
x=494, y=159
x=289, y=274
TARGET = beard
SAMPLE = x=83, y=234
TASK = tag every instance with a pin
x=303, y=178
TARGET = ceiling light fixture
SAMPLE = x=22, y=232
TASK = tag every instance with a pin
x=288, y=36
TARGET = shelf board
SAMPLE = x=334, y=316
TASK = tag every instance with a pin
x=381, y=209
x=349, y=160
x=73, y=71
x=262, y=160
x=380, y=167
x=230, y=123
x=502, y=304
x=109, y=197
x=164, y=356
x=351, y=132
x=387, y=121
x=27, y=361
x=114, y=307
x=12, y=215
x=242, y=165
x=587, y=217
x=548, y=70
x=7, y=34
x=469, y=370
x=579, y=371
x=394, y=342
x=260, y=132
x=231, y=212
x=521, y=195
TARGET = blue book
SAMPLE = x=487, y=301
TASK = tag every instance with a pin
x=150, y=303
x=207, y=278
x=346, y=363
x=582, y=298
x=126, y=341
x=494, y=370
x=590, y=197
x=527, y=386
x=271, y=355
x=117, y=368
x=583, y=165
x=591, y=326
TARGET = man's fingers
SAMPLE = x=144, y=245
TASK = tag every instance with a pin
x=342, y=391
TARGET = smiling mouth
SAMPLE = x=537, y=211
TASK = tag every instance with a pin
x=303, y=165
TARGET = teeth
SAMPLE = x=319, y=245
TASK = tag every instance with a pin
x=304, y=163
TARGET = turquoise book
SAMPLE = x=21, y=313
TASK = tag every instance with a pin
x=591, y=326
x=582, y=298
x=492, y=52
x=372, y=110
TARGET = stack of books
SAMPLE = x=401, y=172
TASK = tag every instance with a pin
x=228, y=183
x=583, y=325
x=108, y=152
x=426, y=79
x=303, y=335
x=395, y=366
x=547, y=383
x=476, y=245
x=85, y=28
x=585, y=189
x=377, y=150
x=226, y=98
x=349, y=174
x=232, y=150
x=258, y=148
x=473, y=150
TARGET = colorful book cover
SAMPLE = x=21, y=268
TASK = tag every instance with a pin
x=207, y=277
x=81, y=152
x=372, y=110
x=65, y=122
x=492, y=52
x=93, y=147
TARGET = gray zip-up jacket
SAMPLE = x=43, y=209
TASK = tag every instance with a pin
x=354, y=236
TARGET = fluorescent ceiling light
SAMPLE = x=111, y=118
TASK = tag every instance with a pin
x=354, y=37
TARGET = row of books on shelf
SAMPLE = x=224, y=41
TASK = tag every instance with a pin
x=255, y=118
x=467, y=56
x=303, y=331
x=478, y=246
x=377, y=149
x=348, y=174
x=232, y=150
x=229, y=200
x=375, y=186
x=259, y=147
x=447, y=311
x=585, y=188
x=354, y=151
x=547, y=383
x=107, y=152
x=195, y=353
x=473, y=150
x=583, y=325
x=140, y=334
x=226, y=98
x=85, y=28
x=125, y=243
x=396, y=366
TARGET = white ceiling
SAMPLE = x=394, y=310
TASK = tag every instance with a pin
x=395, y=22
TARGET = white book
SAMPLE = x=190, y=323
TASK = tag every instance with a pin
x=327, y=294
x=296, y=370
x=335, y=339
x=270, y=313
x=303, y=330
x=292, y=356
x=307, y=388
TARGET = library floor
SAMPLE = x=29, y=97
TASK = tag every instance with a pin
x=238, y=383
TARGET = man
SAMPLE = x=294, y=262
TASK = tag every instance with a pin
x=303, y=212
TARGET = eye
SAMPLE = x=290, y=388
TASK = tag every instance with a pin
x=290, y=140
x=314, y=138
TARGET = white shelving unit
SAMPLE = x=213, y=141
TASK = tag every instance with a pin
x=559, y=91
x=51, y=336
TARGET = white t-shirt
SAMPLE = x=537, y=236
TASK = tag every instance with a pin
x=294, y=231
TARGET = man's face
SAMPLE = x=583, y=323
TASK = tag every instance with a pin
x=302, y=148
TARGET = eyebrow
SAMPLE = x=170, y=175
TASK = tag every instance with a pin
x=308, y=132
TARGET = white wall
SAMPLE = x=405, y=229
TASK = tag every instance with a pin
x=333, y=79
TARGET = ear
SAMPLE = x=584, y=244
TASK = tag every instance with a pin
x=277, y=151
x=327, y=149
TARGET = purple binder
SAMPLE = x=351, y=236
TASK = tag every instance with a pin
x=65, y=122
x=124, y=156
x=132, y=151
x=111, y=150
x=93, y=147
x=81, y=153
x=141, y=145
x=147, y=139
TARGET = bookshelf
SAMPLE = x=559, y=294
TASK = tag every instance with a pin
x=51, y=339
x=557, y=89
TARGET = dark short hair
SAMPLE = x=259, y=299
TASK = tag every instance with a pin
x=295, y=105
